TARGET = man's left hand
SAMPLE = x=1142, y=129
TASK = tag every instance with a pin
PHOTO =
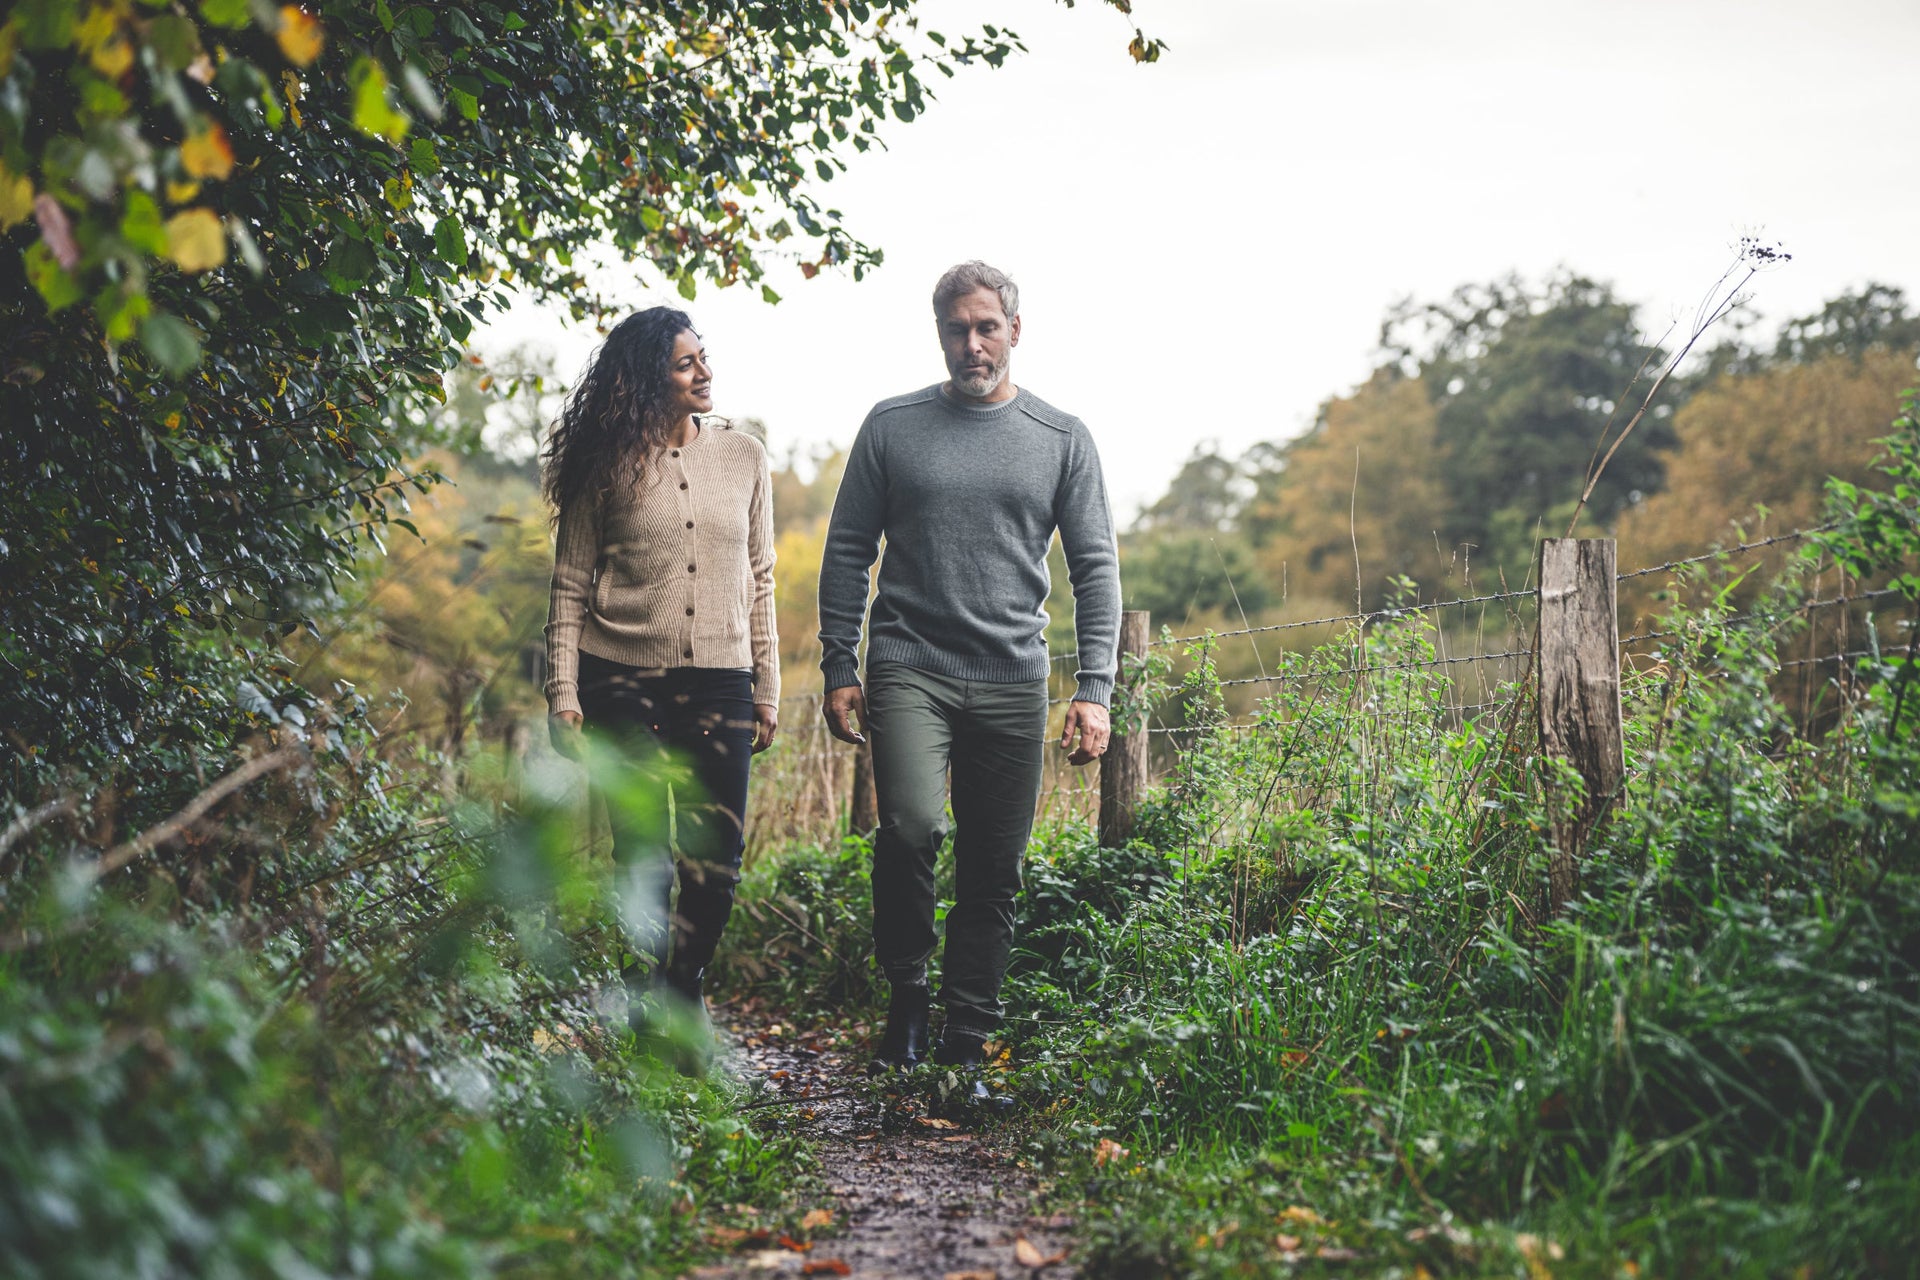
x=1087, y=721
x=766, y=723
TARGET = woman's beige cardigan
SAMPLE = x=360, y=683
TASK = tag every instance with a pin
x=677, y=573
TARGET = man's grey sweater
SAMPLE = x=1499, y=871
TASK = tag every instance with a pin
x=968, y=498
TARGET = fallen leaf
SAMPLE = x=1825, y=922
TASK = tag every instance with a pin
x=788, y=1242
x=971, y=1275
x=826, y=1267
x=816, y=1219
x=1334, y=1253
x=1299, y=1213
x=1107, y=1149
x=935, y=1122
x=1027, y=1254
x=1286, y=1242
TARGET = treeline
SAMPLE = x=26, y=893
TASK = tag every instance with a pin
x=1474, y=435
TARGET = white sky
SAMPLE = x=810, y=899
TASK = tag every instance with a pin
x=1206, y=246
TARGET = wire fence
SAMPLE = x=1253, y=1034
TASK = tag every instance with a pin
x=812, y=771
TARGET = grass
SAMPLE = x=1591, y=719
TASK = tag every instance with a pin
x=1316, y=1019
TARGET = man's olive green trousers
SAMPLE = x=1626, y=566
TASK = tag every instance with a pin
x=991, y=738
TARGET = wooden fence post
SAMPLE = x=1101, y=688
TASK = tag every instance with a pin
x=863, y=815
x=1579, y=666
x=1123, y=770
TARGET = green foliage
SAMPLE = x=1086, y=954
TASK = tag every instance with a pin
x=242, y=245
x=1526, y=384
x=342, y=1028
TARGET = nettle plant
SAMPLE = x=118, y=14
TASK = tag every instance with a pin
x=241, y=244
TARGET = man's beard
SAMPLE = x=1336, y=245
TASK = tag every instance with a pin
x=981, y=385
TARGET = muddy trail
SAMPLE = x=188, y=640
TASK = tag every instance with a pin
x=915, y=1192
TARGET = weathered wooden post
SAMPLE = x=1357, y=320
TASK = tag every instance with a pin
x=863, y=814
x=1579, y=665
x=1123, y=770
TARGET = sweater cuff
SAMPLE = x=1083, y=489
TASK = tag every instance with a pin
x=563, y=697
x=1094, y=689
x=840, y=673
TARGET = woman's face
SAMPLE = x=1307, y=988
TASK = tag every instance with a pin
x=689, y=377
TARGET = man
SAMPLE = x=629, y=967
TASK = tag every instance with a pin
x=967, y=480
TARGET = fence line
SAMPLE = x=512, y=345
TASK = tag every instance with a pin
x=818, y=767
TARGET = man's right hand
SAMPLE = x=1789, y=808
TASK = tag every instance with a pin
x=840, y=707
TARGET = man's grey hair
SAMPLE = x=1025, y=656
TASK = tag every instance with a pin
x=968, y=276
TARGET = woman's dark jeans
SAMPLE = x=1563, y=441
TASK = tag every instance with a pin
x=666, y=724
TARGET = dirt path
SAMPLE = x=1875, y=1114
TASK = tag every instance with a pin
x=914, y=1196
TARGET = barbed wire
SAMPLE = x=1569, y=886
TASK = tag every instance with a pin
x=1751, y=615
x=1247, y=726
x=1398, y=611
x=1385, y=666
x=1727, y=551
x=1897, y=654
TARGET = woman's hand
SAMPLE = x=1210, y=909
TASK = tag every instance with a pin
x=563, y=730
x=766, y=723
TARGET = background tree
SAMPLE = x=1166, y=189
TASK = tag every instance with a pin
x=1365, y=482
x=1525, y=381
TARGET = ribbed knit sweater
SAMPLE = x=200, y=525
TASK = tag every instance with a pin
x=677, y=573
x=968, y=498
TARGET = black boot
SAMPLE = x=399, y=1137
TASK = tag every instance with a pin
x=966, y=1052
x=909, y=1018
x=685, y=986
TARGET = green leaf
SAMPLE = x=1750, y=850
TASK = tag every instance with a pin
x=171, y=341
x=450, y=241
x=373, y=109
x=768, y=295
x=423, y=156
x=687, y=286
x=56, y=288
x=465, y=103
x=651, y=218
x=119, y=309
x=224, y=13
x=349, y=263
x=174, y=41
x=462, y=27
x=141, y=225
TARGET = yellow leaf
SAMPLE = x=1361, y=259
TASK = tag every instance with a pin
x=181, y=192
x=16, y=198
x=816, y=1219
x=196, y=240
x=300, y=35
x=207, y=154
x=112, y=58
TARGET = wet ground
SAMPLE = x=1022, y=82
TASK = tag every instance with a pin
x=916, y=1190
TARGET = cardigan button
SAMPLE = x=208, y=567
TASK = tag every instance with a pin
x=689, y=524
x=676, y=453
x=689, y=568
x=689, y=653
x=683, y=484
x=689, y=611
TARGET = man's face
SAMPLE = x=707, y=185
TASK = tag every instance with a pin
x=978, y=342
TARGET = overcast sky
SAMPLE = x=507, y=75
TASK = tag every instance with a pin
x=1206, y=246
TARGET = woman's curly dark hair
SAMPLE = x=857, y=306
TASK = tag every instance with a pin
x=612, y=421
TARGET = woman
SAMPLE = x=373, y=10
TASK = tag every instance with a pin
x=660, y=630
